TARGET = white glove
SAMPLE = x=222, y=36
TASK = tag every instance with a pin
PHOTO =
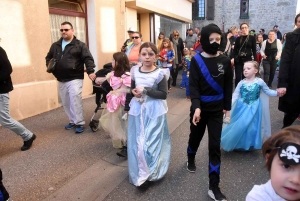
x=226, y=120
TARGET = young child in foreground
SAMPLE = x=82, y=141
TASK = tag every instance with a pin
x=149, y=145
x=250, y=123
x=282, y=154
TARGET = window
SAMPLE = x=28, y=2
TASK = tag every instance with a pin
x=244, y=9
x=73, y=5
x=73, y=11
x=201, y=12
x=198, y=10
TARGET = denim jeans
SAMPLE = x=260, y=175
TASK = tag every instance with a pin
x=8, y=122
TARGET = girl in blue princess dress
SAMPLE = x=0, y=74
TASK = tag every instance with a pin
x=148, y=142
x=249, y=125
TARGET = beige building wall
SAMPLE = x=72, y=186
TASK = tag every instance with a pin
x=110, y=26
x=182, y=8
x=145, y=26
x=28, y=41
x=130, y=19
x=177, y=9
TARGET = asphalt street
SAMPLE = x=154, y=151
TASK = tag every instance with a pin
x=63, y=165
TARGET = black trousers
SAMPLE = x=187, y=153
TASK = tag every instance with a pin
x=269, y=71
x=213, y=121
x=289, y=119
x=239, y=69
x=174, y=73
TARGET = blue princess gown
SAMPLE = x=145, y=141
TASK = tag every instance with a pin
x=148, y=142
x=250, y=117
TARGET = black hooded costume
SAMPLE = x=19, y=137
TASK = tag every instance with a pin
x=211, y=90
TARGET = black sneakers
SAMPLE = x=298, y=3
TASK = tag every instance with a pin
x=190, y=164
x=216, y=194
x=28, y=143
x=123, y=152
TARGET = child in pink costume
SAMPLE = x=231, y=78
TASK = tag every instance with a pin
x=113, y=118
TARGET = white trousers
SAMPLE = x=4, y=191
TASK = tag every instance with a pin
x=8, y=122
x=71, y=97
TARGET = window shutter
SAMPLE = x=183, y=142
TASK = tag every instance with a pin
x=210, y=9
x=244, y=9
x=195, y=10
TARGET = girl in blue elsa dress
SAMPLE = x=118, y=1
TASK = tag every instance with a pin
x=248, y=125
x=148, y=142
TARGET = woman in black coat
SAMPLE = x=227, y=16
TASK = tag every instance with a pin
x=178, y=50
x=244, y=50
x=289, y=76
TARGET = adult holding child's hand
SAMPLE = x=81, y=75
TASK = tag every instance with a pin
x=288, y=78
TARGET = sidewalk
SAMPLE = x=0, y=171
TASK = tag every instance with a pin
x=60, y=163
x=105, y=175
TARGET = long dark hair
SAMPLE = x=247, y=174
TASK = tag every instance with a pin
x=121, y=64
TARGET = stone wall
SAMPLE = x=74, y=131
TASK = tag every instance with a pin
x=262, y=14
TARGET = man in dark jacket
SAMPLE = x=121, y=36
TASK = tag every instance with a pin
x=278, y=33
x=5, y=119
x=71, y=55
x=288, y=79
x=265, y=36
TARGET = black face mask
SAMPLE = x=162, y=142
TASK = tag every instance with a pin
x=211, y=48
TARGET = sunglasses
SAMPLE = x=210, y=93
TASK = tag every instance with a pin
x=176, y=35
x=66, y=30
x=135, y=37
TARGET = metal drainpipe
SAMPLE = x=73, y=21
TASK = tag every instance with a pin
x=223, y=16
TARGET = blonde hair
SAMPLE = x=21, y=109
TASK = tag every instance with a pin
x=231, y=29
x=174, y=32
x=256, y=66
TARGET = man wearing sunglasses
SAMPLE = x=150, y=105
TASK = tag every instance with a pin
x=190, y=39
x=71, y=55
x=265, y=36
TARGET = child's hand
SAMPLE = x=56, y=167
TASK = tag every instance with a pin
x=226, y=119
x=281, y=91
x=136, y=93
x=196, y=117
x=140, y=89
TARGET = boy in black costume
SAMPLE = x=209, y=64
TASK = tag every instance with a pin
x=211, y=92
